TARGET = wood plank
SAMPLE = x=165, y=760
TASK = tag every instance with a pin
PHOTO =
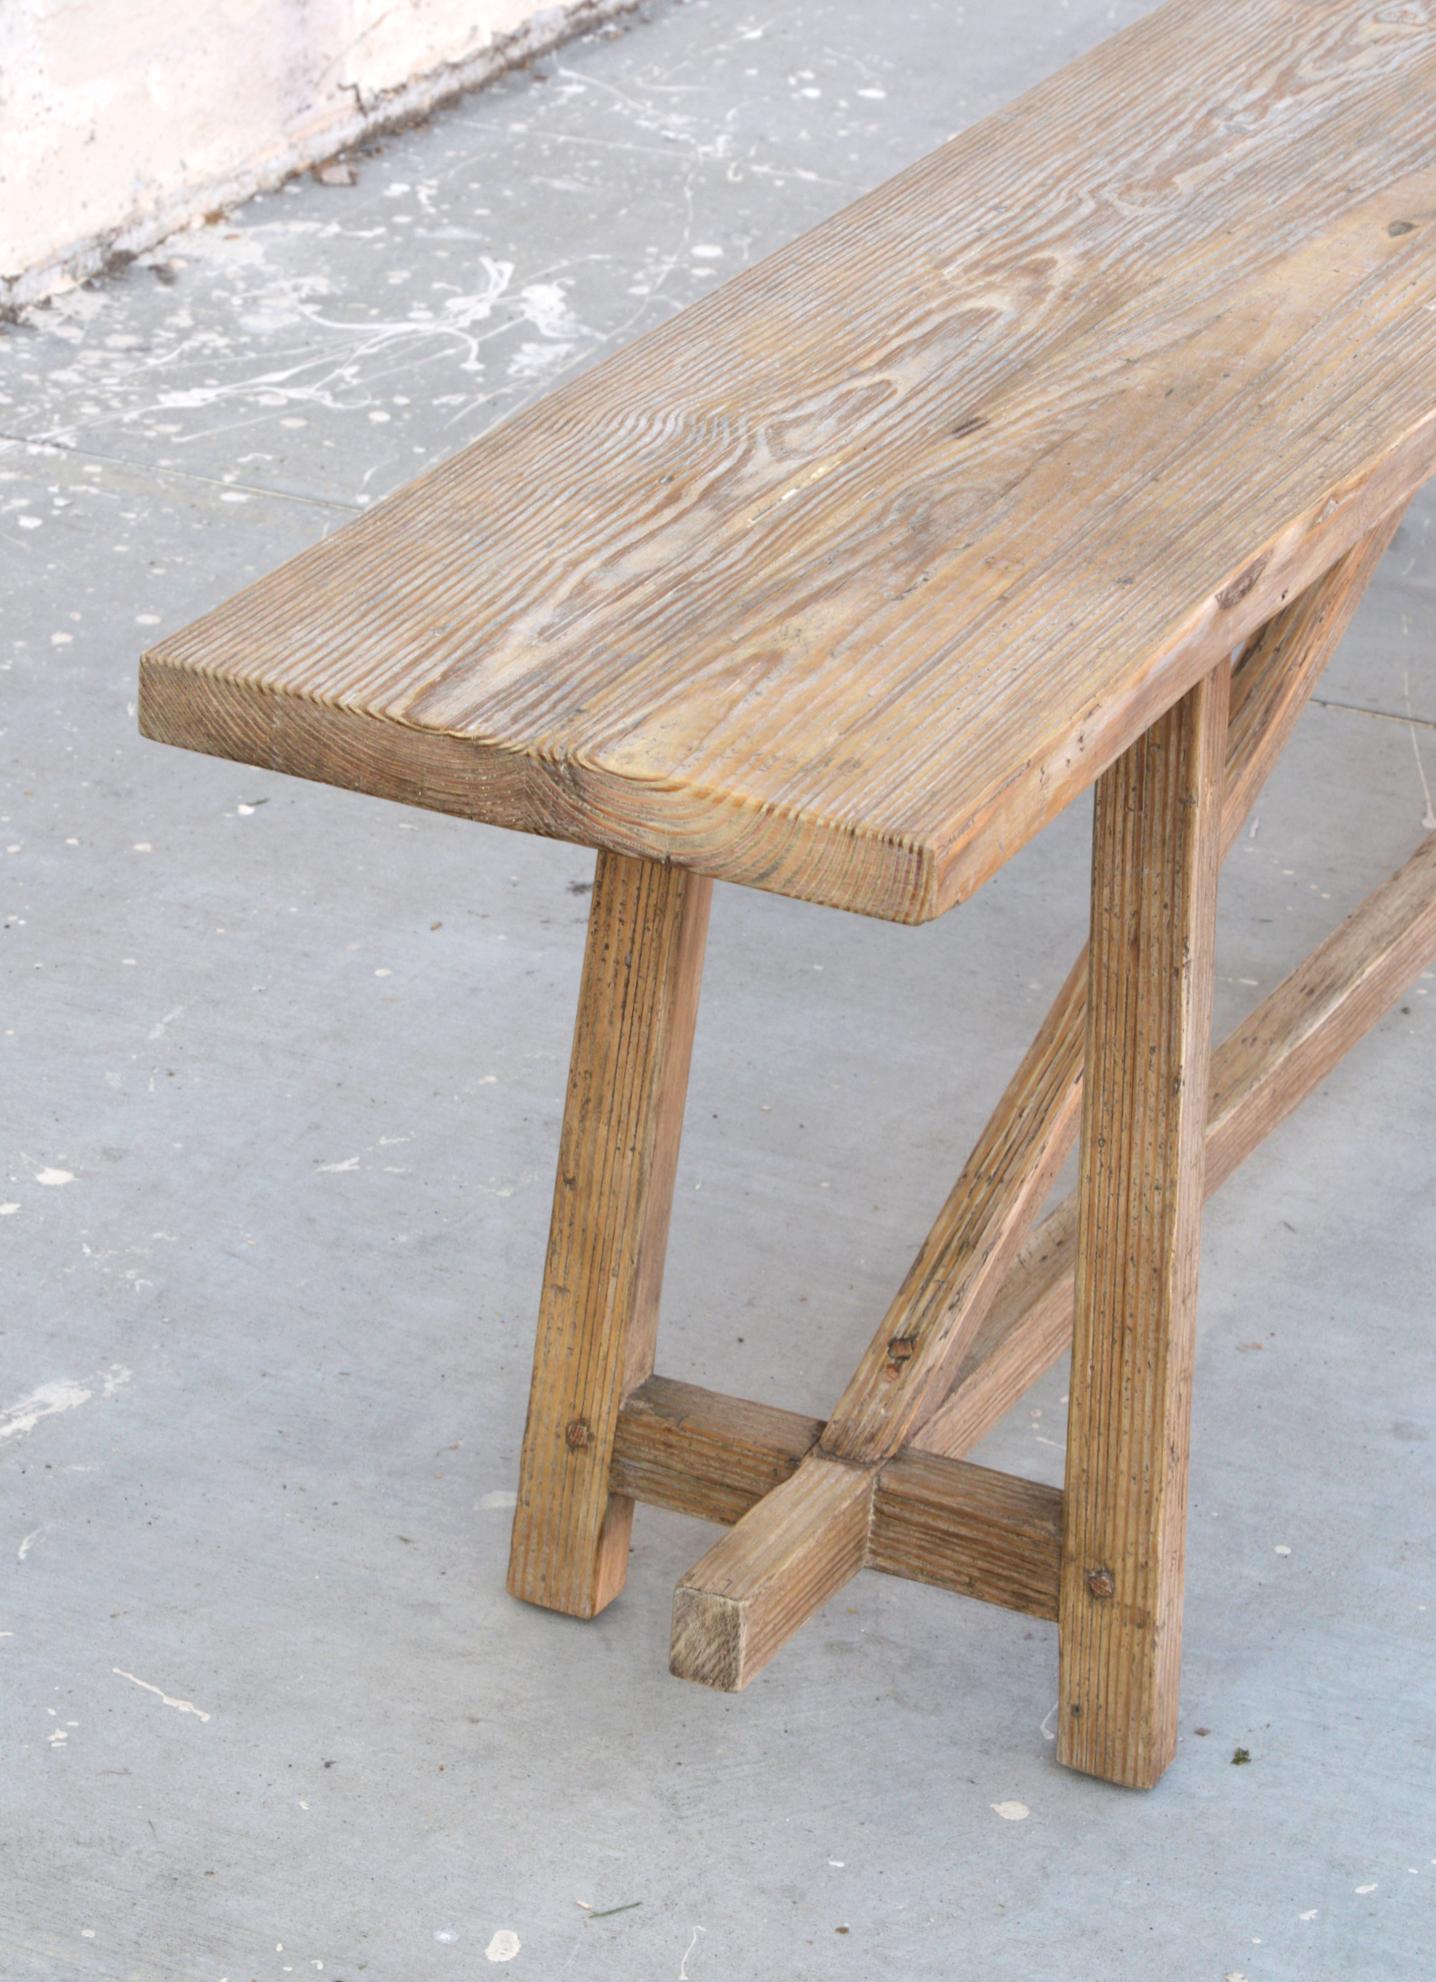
x=731, y=1611
x=945, y=1522
x=699, y=1452
x=966, y=1528
x=1156, y=855
x=1260, y=1074
x=846, y=580
x=598, y=1314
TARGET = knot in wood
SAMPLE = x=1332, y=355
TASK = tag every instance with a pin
x=901, y=1350
x=1101, y=1582
x=577, y=1434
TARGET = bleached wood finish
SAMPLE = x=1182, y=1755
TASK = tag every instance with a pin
x=914, y=1357
x=1155, y=858
x=941, y=1521
x=598, y=1314
x=966, y=1528
x=1261, y=1072
x=731, y=1611
x=851, y=576
x=699, y=1452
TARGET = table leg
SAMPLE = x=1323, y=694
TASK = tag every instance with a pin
x=598, y=1314
x=1156, y=841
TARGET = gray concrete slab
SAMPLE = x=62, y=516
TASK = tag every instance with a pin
x=282, y=1073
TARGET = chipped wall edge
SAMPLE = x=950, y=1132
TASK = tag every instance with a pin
x=327, y=129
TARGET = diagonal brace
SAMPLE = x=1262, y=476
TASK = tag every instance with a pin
x=917, y=1352
x=935, y=1517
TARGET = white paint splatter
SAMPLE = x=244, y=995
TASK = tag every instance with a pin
x=8, y=1210
x=1048, y=1729
x=534, y=359
x=1281, y=1548
x=28, y=1543
x=45, y=1402
x=545, y=306
x=1363, y=1890
x=336, y=1169
x=160, y=1026
x=1309, y=1915
x=182, y=1706
x=327, y=371
x=1013, y=1811
x=687, y=1952
x=504, y=1946
x=54, y=1179
x=498, y=1498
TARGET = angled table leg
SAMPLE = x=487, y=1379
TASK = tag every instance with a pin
x=1155, y=855
x=598, y=1314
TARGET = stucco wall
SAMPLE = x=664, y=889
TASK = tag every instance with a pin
x=121, y=120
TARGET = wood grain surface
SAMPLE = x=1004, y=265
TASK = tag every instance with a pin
x=598, y=1312
x=962, y=1527
x=1156, y=854
x=731, y=1611
x=848, y=578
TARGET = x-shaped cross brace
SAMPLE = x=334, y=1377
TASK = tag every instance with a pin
x=883, y=1484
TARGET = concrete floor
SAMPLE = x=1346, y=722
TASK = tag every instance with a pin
x=282, y=1079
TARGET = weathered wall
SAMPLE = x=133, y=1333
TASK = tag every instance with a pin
x=121, y=120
